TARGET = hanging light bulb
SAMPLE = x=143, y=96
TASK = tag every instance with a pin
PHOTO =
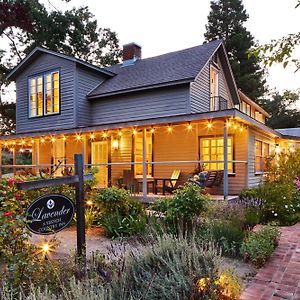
x=209, y=125
x=92, y=136
x=64, y=138
x=32, y=141
x=42, y=140
x=234, y=126
x=134, y=132
x=189, y=126
x=53, y=139
x=241, y=129
x=120, y=133
x=23, y=142
x=152, y=130
x=5, y=144
x=170, y=129
x=78, y=137
x=228, y=124
x=104, y=134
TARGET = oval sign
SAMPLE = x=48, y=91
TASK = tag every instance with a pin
x=49, y=214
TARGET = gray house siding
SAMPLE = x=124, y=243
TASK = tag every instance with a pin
x=65, y=119
x=200, y=92
x=86, y=81
x=161, y=102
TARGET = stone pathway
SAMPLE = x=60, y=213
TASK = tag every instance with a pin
x=280, y=277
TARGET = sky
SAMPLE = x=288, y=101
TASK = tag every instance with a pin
x=162, y=26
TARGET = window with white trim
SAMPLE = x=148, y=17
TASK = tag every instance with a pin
x=262, y=152
x=44, y=94
x=213, y=149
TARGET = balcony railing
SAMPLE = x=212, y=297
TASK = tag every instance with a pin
x=218, y=103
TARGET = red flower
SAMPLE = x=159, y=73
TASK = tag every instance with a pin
x=8, y=214
x=17, y=196
x=11, y=181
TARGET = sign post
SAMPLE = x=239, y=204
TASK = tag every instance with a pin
x=80, y=209
x=51, y=213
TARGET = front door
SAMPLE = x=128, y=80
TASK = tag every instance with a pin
x=99, y=155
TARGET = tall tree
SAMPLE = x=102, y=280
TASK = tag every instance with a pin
x=7, y=118
x=226, y=21
x=282, y=110
x=26, y=24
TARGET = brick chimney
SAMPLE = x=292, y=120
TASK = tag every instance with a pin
x=131, y=53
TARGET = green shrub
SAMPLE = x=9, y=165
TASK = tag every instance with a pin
x=186, y=205
x=225, y=234
x=120, y=215
x=259, y=246
x=112, y=199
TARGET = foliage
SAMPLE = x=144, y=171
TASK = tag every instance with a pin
x=226, y=21
x=259, y=246
x=73, y=32
x=225, y=234
x=120, y=215
x=185, y=207
x=7, y=118
x=21, y=263
x=281, y=110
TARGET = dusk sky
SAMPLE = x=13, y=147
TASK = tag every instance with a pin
x=161, y=26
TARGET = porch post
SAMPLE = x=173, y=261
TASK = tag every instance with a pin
x=144, y=163
x=37, y=148
x=225, y=183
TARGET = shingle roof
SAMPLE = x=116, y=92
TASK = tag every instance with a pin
x=174, y=67
x=290, y=131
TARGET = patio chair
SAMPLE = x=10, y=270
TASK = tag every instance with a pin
x=168, y=184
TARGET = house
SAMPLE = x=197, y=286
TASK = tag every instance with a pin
x=141, y=119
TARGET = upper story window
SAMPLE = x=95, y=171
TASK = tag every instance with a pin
x=44, y=95
x=246, y=108
x=214, y=90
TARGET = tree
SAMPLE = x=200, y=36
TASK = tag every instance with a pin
x=225, y=21
x=7, y=118
x=27, y=24
x=279, y=51
x=280, y=107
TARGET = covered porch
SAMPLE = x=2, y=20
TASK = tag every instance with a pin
x=141, y=156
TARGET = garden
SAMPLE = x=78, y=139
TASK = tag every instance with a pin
x=184, y=246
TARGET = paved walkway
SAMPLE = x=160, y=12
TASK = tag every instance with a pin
x=280, y=277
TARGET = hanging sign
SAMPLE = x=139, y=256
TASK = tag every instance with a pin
x=49, y=214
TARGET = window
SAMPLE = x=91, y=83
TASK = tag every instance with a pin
x=246, y=108
x=213, y=149
x=214, y=93
x=138, y=153
x=262, y=151
x=44, y=94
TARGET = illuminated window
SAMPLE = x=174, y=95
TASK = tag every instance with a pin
x=138, y=153
x=44, y=94
x=213, y=149
x=262, y=151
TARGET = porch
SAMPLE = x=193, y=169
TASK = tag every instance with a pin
x=134, y=157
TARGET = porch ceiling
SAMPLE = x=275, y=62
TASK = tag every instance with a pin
x=224, y=114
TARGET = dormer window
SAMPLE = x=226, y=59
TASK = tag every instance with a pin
x=44, y=95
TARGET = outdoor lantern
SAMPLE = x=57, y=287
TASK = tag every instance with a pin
x=115, y=144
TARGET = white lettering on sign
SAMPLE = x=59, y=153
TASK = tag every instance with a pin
x=38, y=215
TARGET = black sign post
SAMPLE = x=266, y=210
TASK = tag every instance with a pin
x=39, y=204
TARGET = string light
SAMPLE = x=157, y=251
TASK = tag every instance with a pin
x=42, y=140
x=14, y=143
x=53, y=139
x=152, y=130
x=234, y=126
x=78, y=137
x=92, y=136
x=64, y=138
x=11, y=149
x=134, y=132
x=241, y=129
x=209, y=125
x=228, y=124
x=120, y=133
x=170, y=129
x=5, y=144
x=23, y=142
x=189, y=126
x=32, y=141
x=104, y=134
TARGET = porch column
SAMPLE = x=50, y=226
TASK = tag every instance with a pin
x=144, y=164
x=225, y=182
x=37, y=148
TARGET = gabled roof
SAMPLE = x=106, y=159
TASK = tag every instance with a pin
x=172, y=68
x=39, y=50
